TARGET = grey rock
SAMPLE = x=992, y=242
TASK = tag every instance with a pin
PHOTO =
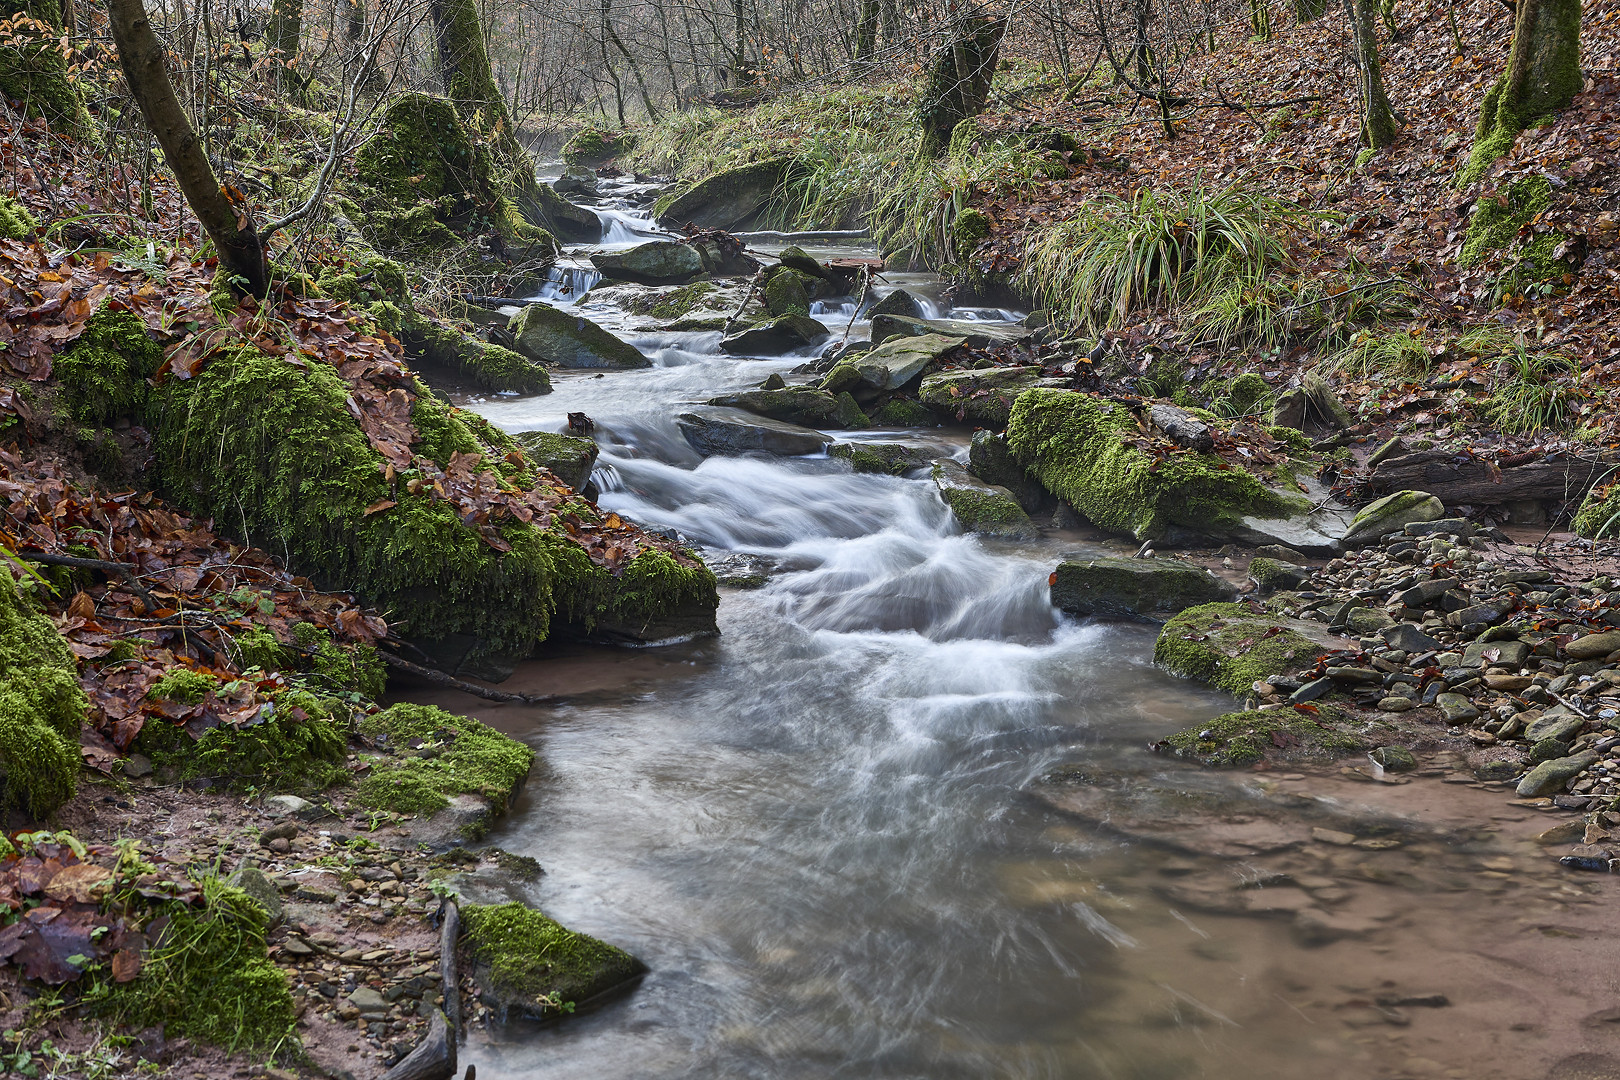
x=1281, y=553
x=896, y=362
x=991, y=461
x=1593, y=646
x=542, y=332
x=729, y=431
x=955, y=395
x=898, y=302
x=730, y=199
x=1356, y=675
x=785, y=334
x=1512, y=654
x=254, y=882
x=1474, y=614
x=1408, y=637
x=568, y=222
x=1394, y=758
x=1557, y=723
x=1391, y=513
x=368, y=1000
x=1456, y=709
x=1311, y=691
x=1551, y=776
x=978, y=334
x=292, y=805
x=1425, y=593
x=1134, y=587
x=575, y=180
x=1439, y=526
x=798, y=405
x=658, y=262
x=1364, y=621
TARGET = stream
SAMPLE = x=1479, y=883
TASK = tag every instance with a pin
x=827, y=833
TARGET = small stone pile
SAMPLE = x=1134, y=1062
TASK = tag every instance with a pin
x=1453, y=630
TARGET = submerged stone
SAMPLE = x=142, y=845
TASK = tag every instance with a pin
x=1133, y=587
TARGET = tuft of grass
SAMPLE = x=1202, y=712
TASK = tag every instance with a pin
x=1535, y=392
x=1204, y=245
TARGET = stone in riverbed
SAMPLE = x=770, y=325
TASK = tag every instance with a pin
x=898, y=302
x=1408, y=638
x=569, y=457
x=892, y=459
x=658, y=262
x=1391, y=514
x=1558, y=723
x=786, y=334
x=798, y=405
x=1365, y=621
x=542, y=332
x=1228, y=646
x=1394, y=758
x=1456, y=709
x=1593, y=646
x=254, y=882
x=1269, y=574
x=991, y=461
x=980, y=335
x=981, y=507
x=1133, y=587
x=730, y=199
x=528, y=964
x=1551, y=776
x=568, y=222
x=898, y=361
x=729, y=431
x=1512, y=654
x=983, y=397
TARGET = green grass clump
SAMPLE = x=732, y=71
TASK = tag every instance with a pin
x=207, y=976
x=183, y=685
x=1119, y=253
x=1535, y=392
x=453, y=755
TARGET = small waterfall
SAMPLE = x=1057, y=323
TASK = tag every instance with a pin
x=625, y=228
x=566, y=284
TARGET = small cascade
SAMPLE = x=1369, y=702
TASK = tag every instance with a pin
x=565, y=284
x=626, y=228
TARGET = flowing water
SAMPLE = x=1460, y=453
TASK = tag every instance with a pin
x=824, y=833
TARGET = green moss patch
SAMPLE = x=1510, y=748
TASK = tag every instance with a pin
x=16, y=223
x=1242, y=738
x=1081, y=449
x=528, y=962
x=104, y=374
x=1599, y=514
x=1228, y=647
x=41, y=708
x=431, y=755
x=592, y=146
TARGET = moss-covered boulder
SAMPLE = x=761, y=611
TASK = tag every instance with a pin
x=423, y=186
x=991, y=461
x=1231, y=648
x=41, y=708
x=716, y=430
x=1134, y=587
x=1243, y=738
x=16, y=223
x=1599, y=514
x=568, y=222
x=898, y=302
x=798, y=405
x=658, y=262
x=1081, y=448
x=983, y=398
x=788, y=333
x=1391, y=514
x=426, y=757
x=104, y=374
x=732, y=199
x=892, y=459
x=570, y=458
x=980, y=507
x=34, y=68
x=902, y=360
x=542, y=332
x=593, y=146
x=785, y=293
x=977, y=334
x=272, y=446
x=529, y=965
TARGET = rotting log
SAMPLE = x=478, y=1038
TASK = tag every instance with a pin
x=434, y=1057
x=1463, y=480
x=1182, y=427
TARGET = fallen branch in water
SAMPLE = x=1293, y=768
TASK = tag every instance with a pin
x=439, y=678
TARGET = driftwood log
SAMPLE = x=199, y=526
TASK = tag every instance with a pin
x=435, y=1056
x=1461, y=480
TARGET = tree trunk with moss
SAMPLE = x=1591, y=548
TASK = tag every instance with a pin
x=1260, y=19
x=228, y=223
x=283, y=35
x=1543, y=76
x=470, y=83
x=1378, y=125
x=866, y=30
x=34, y=67
x=959, y=80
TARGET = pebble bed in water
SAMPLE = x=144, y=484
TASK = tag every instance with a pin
x=828, y=835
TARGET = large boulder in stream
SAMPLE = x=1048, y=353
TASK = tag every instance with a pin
x=542, y=332
x=569, y=457
x=731, y=200
x=901, y=360
x=728, y=431
x=798, y=405
x=789, y=333
x=980, y=335
x=529, y=965
x=899, y=302
x=1084, y=449
x=1134, y=588
x=980, y=507
x=568, y=222
x=658, y=262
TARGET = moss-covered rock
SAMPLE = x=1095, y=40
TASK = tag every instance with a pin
x=901, y=412
x=1243, y=738
x=16, y=223
x=528, y=964
x=423, y=186
x=1228, y=647
x=104, y=375
x=543, y=332
x=731, y=199
x=799, y=405
x=785, y=334
x=990, y=459
x=1133, y=587
x=980, y=507
x=1391, y=513
x=893, y=459
x=1078, y=446
x=983, y=398
x=41, y=708
x=902, y=360
x=34, y=68
x=430, y=756
x=657, y=262
x=1599, y=514
x=569, y=458
x=568, y=222
x=594, y=146
x=785, y=293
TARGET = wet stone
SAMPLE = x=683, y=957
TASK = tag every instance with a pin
x=1456, y=709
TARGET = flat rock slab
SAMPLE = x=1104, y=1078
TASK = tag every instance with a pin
x=1128, y=588
x=899, y=360
x=713, y=430
x=978, y=334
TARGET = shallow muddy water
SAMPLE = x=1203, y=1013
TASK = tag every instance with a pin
x=828, y=834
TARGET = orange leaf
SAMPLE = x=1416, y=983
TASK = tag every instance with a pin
x=379, y=506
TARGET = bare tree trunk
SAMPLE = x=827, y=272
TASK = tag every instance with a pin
x=1543, y=76
x=1378, y=126
x=228, y=224
x=959, y=81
